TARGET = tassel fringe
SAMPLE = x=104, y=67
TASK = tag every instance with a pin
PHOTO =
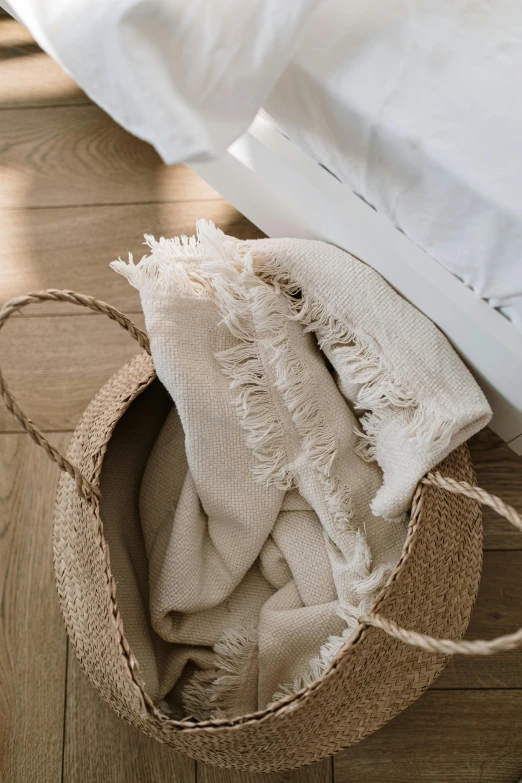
x=251, y=310
x=366, y=589
x=358, y=363
x=217, y=693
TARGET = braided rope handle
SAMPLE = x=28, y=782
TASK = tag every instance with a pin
x=450, y=646
x=85, y=488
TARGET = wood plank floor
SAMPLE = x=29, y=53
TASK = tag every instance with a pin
x=76, y=191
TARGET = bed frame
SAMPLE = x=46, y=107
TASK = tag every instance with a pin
x=284, y=192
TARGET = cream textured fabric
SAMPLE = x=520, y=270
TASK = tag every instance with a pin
x=271, y=515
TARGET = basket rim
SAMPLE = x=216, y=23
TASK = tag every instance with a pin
x=141, y=370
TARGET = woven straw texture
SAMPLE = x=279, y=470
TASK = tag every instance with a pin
x=432, y=590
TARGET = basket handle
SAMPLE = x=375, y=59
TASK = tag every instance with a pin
x=86, y=488
x=450, y=646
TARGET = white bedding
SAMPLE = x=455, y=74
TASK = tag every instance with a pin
x=186, y=75
x=414, y=104
x=417, y=107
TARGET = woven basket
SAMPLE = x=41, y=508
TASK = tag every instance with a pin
x=378, y=673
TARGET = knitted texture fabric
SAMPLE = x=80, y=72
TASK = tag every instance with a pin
x=310, y=398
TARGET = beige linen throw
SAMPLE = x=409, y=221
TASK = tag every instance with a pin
x=310, y=398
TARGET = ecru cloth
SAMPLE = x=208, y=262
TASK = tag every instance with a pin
x=272, y=514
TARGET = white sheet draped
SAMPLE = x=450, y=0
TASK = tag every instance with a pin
x=188, y=77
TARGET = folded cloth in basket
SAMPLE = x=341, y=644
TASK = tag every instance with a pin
x=310, y=398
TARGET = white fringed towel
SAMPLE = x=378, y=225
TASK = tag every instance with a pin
x=310, y=398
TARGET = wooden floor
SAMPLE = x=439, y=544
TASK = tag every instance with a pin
x=76, y=191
